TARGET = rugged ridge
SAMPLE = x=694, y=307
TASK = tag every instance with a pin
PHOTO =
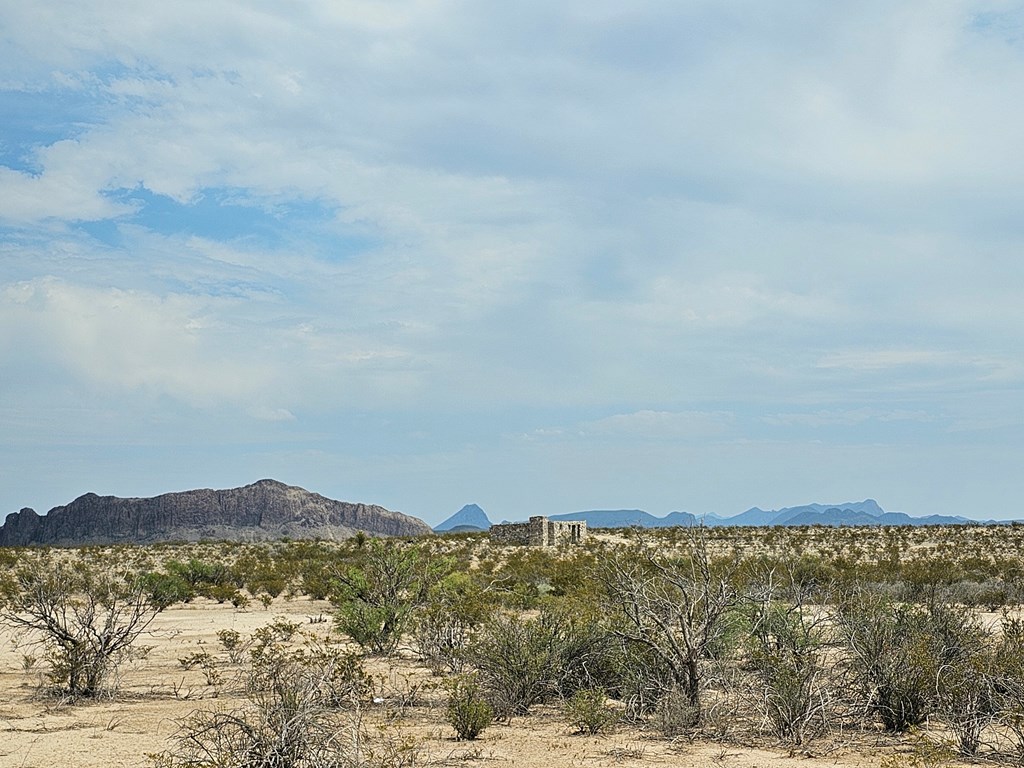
x=267, y=509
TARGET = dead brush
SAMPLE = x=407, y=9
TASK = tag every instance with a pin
x=304, y=709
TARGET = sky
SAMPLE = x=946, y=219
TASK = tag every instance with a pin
x=543, y=257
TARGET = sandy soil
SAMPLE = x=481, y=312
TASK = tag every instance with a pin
x=156, y=691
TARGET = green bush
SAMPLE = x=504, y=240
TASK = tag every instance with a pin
x=468, y=711
x=967, y=682
x=377, y=595
x=588, y=711
x=523, y=662
x=445, y=625
x=640, y=677
x=892, y=657
x=787, y=652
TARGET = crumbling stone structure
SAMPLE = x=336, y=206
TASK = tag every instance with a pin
x=540, y=532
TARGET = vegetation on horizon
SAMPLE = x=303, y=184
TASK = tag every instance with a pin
x=795, y=633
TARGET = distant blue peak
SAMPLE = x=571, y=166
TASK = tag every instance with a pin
x=470, y=515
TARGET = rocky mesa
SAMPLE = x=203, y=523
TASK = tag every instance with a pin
x=267, y=509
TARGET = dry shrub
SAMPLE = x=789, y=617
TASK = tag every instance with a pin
x=304, y=710
x=86, y=615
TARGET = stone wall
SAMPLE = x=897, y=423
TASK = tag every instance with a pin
x=540, y=532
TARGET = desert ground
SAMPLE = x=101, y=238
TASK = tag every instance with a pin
x=155, y=692
x=402, y=723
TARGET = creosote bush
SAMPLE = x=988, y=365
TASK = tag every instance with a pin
x=792, y=677
x=588, y=711
x=523, y=662
x=377, y=594
x=891, y=652
x=447, y=622
x=86, y=614
x=467, y=711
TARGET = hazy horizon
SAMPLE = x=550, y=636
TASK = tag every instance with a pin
x=525, y=514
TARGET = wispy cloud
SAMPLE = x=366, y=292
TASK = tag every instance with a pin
x=845, y=418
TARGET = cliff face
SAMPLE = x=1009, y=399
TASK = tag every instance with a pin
x=264, y=510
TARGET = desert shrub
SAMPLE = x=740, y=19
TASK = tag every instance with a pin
x=468, y=711
x=787, y=652
x=377, y=595
x=85, y=614
x=309, y=567
x=280, y=629
x=524, y=577
x=639, y=678
x=967, y=677
x=230, y=640
x=570, y=576
x=673, y=605
x=1009, y=668
x=377, y=628
x=588, y=711
x=446, y=623
x=339, y=673
x=166, y=589
x=523, y=662
x=209, y=579
x=222, y=593
x=584, y=648
x=514, y=658
x=892, y=657
x=731, y=634
x=290, y=721
x=991, y=594
x=917, y=660
x=923, y=753
x=206, y=663
x=260, y=574
x=674, y=713
x=928, y=579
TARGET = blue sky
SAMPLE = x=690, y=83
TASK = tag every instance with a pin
x=539, y=256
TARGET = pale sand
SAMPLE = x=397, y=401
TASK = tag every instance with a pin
x=36, y=732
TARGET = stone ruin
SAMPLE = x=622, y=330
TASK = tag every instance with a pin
x=540, y=532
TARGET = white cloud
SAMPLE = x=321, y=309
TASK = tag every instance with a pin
x=54, y=194
x=205, y=351
x=641, y=426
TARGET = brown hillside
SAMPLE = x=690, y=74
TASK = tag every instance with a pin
x=264, y=510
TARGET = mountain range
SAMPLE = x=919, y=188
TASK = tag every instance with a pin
x=267, y=509
x=866, y=512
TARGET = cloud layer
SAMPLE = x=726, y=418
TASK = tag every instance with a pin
x=677, y=255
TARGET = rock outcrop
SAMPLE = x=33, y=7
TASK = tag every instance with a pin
x=261, y=511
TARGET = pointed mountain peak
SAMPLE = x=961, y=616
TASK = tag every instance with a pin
x=470, y=516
